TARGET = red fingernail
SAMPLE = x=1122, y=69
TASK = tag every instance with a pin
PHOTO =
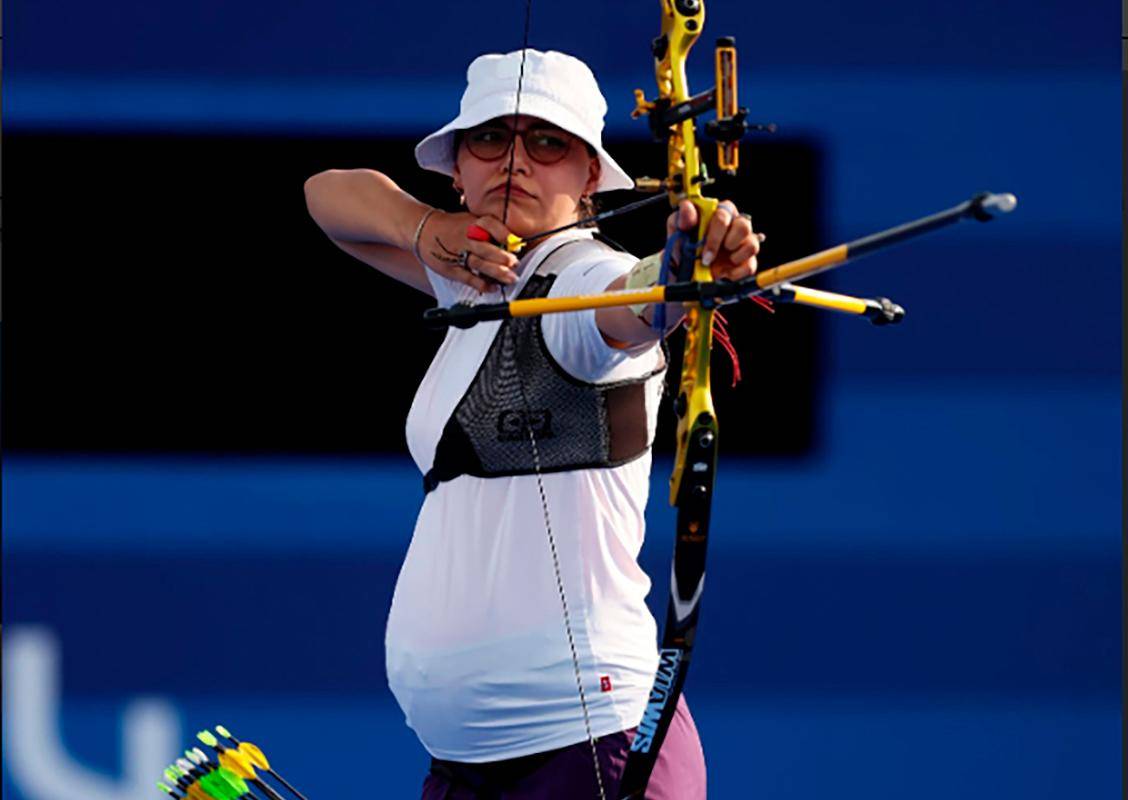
x=477, y=233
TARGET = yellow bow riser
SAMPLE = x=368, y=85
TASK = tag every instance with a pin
x=682, y=21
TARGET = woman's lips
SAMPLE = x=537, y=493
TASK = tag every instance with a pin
x=515, y=191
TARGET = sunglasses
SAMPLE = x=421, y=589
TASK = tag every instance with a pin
x=544, y=145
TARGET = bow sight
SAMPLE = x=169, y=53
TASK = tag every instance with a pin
x=731, y=123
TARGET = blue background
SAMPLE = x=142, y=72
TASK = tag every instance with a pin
x=928, y=605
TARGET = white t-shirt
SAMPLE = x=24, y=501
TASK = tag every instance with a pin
x=477, y=653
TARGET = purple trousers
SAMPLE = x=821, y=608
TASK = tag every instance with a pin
x=569, y=774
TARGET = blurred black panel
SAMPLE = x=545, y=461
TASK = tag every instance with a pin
x=169, y=293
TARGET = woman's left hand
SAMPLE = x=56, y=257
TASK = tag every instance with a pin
x=730, y=246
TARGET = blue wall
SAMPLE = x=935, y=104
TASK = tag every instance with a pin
x=929, y=605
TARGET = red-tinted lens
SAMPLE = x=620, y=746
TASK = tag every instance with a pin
x=544, y=145
x=488, y=144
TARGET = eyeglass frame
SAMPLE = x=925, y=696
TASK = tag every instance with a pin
x=461, y=138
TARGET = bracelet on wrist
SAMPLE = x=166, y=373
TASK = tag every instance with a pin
x=418, y=235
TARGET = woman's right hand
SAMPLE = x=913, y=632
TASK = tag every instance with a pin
x=443, y=240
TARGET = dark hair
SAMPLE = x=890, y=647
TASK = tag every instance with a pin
x=587, y=208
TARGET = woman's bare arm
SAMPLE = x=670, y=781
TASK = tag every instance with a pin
x=367, y=215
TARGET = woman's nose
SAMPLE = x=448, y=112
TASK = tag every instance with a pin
x=519, y=156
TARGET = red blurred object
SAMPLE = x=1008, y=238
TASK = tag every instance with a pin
x=721, y=333
x=763, y=303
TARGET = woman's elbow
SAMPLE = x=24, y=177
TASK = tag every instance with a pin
x=317, y=185
x=319, y=190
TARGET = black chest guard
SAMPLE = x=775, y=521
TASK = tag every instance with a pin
x=521, y=389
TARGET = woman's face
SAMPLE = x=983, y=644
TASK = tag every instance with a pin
x=551, y=172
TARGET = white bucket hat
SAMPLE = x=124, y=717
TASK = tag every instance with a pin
x=556, y=87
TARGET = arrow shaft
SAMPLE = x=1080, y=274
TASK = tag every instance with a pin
x=710, y=293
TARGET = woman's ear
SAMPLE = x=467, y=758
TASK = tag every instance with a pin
x=595, y=172
x=456, y=184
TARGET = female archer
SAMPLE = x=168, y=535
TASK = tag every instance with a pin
x=519, y=644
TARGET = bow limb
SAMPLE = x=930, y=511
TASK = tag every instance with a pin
x=691, y=484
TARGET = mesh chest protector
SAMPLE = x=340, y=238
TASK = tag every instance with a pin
x=521, y=389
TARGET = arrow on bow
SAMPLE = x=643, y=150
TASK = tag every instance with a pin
x=777, y=282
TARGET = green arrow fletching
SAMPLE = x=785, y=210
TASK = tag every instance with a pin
x=236, y=783
x=216, y=786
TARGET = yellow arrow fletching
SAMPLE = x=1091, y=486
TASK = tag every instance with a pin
x=257, y=757
x=238, y=763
